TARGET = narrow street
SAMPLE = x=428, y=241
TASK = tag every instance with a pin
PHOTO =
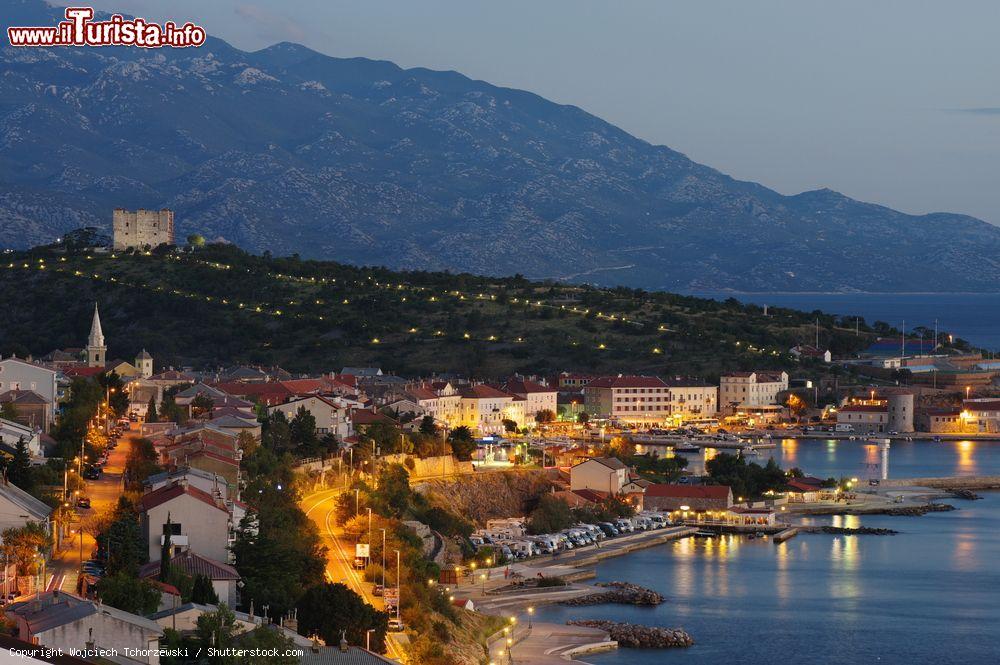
x=64, y=568
x=320, y=507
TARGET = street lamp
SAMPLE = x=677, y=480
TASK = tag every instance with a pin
x=368, y=638
x=383, y=559
x=399, y=590
x=531, y=612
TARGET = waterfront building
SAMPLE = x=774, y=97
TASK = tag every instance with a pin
x=628, y=399
x=484, y=408
x=750, y=389
x=886, y=410
x=690, y=400
x=695, y=498
x=982, y=415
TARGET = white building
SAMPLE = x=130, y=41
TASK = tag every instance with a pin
x=97, y=349
x=11, y=433
x=200, y=522
x=536, y=397
x=61, y=620
x=601, y=474
x=332, y=414
x=628, y=399
x=750, y=389
x=484, y=408
x=17, y=507
x=692, y=399
x=18, y=374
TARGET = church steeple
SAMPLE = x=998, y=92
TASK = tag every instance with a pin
x=96, y=349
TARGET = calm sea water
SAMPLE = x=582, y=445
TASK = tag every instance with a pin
x=930, y=594
x=972, y=316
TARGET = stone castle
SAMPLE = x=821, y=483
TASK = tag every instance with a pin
x=142, y=227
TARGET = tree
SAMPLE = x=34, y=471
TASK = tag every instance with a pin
x=141, y=463
x=552, y=514
x=202, y=591
x=151, y=415
x=583, y=418
x=122, y=539
x=327, y=610
x=275, y=433
x=129, y=593
x=393, y=495
x=196, y=240
x=428, y=427
x=302, y=430
x=201, y=404
x=8, y=411
x=247, y=442
x=462, y=443
x=19, y=470
x=22, y=545
x=509, y=425
x=545, y=416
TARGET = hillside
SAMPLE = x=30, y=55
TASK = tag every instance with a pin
x=360, y=161
x=220, y=305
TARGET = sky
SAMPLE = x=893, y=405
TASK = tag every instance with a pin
x=891, y=101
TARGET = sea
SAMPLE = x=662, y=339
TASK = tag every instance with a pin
x=928, y=595
x=974, y=317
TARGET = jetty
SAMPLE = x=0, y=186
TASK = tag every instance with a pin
x=785, y=534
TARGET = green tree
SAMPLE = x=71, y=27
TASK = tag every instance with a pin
x=428, y=427
x=583, y=418
x=509, y=425
x=123, y=540
x=141, y=463
x=328, y=609
x=545, y=416
x=462, y=443
x=302, y=431
x=196, y=240
x=19, y=470
x=552, y=514
x=151, y=415
x=201, y=405
x=392, y=498
x=8, y=411
x=129, y=593
x=202, y=591
x=275, y=432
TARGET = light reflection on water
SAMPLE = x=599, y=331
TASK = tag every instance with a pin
x=927, y=595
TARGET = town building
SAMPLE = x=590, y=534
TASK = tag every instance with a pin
x=484, y=408
x=601, y=474
x=537, y=398
x=225, y=580
x=61, y=620
x=332, y=414
x=33, y=390
x=885, y=410
x=11, y=433
x=750, y=389
x=198, y=521
x=628, y=399
x=142, y=228
x=692, y=400
x=17, y=507
x=982, y=415
x=695, y=498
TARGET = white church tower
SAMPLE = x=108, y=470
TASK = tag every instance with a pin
x=144, y=363
x=97, y=351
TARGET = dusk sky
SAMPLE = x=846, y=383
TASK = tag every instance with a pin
x=894, y=101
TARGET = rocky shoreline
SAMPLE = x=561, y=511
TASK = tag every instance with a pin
x=916, y=511
x=635, y=636
x=622, y=593
x=849, y=531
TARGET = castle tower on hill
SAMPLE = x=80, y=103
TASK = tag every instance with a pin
x=142, y=228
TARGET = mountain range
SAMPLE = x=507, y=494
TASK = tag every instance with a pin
x=290, y=151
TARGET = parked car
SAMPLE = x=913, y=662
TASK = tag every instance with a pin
x=83, y=502
x=396, y=625
x=609, y=529
x=377, y=589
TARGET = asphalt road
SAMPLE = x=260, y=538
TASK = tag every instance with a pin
x=320, y=507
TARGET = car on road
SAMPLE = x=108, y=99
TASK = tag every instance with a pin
x=396, y=625
x=377, y=589
x=83, y=502
x=92, y=473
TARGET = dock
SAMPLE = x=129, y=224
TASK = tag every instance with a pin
x=782, y=536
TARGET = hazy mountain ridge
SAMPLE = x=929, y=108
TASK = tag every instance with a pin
x=361, y=161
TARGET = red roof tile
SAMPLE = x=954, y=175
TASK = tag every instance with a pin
x=689, y=491
x=171, y=492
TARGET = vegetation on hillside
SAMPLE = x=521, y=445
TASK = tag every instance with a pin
x=219, y=305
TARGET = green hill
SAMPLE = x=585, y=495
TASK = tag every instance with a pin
x=220, y=305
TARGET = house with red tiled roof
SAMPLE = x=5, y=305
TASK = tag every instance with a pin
x=484, y=408
x=332, y=414
x=538, y=398
x=697, y=498
x=224, y=578
x=194, y=519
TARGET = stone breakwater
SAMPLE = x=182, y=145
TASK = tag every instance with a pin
x=920, y=510
x=639, y=637
x=622, y=593
x=850, y=531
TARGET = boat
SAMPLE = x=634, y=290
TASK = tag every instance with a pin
x=701, y=533
x=687, y=448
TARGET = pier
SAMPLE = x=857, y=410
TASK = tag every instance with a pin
x=784, y=535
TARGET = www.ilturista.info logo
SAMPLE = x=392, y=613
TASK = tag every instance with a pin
x=79, y=29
